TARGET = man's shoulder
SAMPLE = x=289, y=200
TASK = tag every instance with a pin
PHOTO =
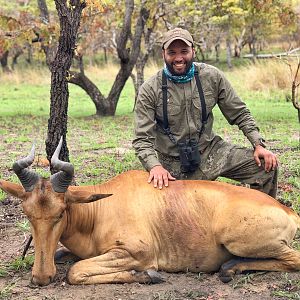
x=207, y=69
x=153, y=82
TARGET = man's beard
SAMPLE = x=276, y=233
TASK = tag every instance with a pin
x=173, y=72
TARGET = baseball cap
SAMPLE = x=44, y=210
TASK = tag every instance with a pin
x=177, y=34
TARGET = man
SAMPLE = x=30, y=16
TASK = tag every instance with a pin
x=173, y=124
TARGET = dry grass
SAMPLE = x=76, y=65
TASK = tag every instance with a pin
x=266, y=75
x=42, y=76
x=109, y=71
x=30, y=76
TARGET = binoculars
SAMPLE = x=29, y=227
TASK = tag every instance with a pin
x=189, y=155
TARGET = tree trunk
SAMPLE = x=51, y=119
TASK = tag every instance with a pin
x=128, y=57
x=16, y=55
x=217, y=50
x=105, y=55
x=134, y=81
x=239, y=44
x=201, y=53
x=4, y=62
x=29, y=53
x=69, y=17
x=101, y=103
x=150, y=40
x=228, y=52
x=253, y=44
x=44, y=14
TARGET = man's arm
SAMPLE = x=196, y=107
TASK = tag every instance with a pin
x=144, y=140
x=237, y=113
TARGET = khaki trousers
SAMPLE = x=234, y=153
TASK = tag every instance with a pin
x=226, y=160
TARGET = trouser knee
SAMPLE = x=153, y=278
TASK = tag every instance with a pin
x=267, y=183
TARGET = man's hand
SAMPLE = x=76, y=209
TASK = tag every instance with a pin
x=271, y=161
x=160, y=177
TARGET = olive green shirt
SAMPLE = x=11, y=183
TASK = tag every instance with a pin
x=184, y=113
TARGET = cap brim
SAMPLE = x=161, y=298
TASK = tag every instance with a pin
x=168, y=43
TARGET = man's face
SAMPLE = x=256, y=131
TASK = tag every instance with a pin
x=178, y=57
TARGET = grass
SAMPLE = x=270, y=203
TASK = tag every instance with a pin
x=6, y=292
x=101, y=147
x=21, y=265
x=17, y=265
x=289, y=289
x=2, y=195
x=243, y=280
x=23, y=225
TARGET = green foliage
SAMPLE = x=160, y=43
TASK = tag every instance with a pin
x=23, y=225
x=2, y=195
x=3, y=272
x=19, y=265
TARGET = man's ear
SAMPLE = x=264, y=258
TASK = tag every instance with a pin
x=13, y=189
x=83, y=196
x=194, y=52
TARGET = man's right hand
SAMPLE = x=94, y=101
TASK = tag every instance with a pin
x=160, y=177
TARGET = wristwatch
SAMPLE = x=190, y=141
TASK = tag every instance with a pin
x=259, y=142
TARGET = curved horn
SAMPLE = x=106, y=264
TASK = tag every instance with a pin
x=27, y=178
x=61, y=180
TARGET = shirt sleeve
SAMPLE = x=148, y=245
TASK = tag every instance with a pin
x=144, y=118
x=236, y=111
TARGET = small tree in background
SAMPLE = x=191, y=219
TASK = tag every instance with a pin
x=295, y=85
x=295, y=78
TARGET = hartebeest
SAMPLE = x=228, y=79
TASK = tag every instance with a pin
x=136, y=231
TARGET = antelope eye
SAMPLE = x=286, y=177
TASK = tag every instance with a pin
x=60, y=216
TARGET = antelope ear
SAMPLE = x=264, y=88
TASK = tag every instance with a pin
x=13, y=189
x=83, y=196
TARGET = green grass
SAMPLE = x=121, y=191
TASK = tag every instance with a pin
x=2, y=195
x=23, y=225
x=16, y=265
x=101, y=147
x=288, y=289
x=34, y=100
x=20, y=265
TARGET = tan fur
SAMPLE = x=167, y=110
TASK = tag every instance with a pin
x=191, y=225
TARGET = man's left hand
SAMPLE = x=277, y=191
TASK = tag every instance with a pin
x=271, y=161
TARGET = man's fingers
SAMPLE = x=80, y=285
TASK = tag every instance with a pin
x=160, y=182
x=165, y=179
x=160, y=177
x=150, y=178
x=155, y=181
x=257, y=160
x=268, y=164
x=274, y=162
